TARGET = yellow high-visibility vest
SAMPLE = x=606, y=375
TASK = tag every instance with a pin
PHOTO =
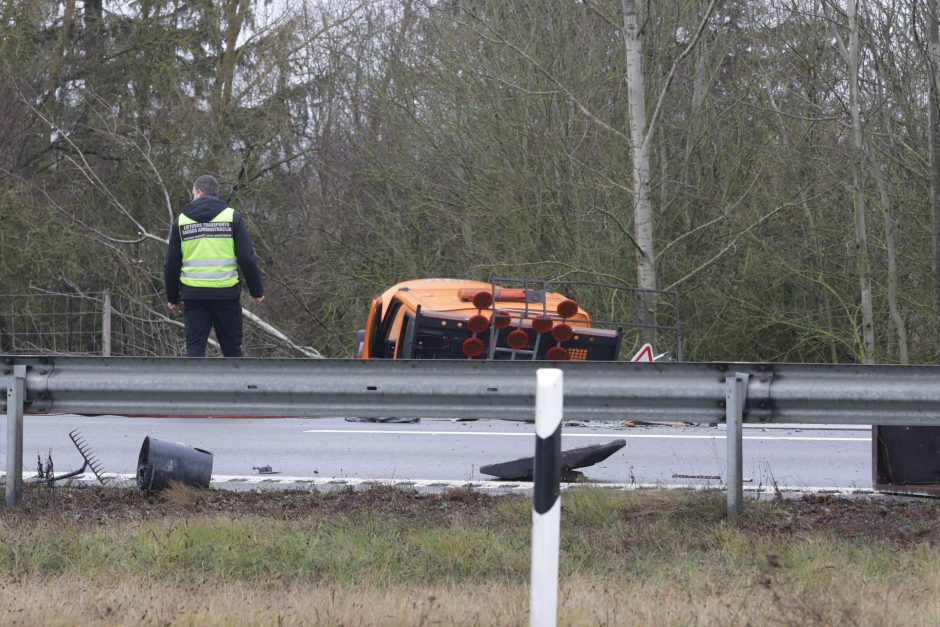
x=209, y=251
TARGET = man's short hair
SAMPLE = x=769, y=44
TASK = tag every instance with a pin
x=207, y=184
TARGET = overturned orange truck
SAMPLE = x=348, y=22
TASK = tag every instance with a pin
x=461, y=319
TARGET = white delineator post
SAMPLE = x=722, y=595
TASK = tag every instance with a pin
x=546, y=508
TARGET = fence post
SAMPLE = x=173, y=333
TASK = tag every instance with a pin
x=16, y=391
x=735, y=396
x=106, y=325
x=546, y=507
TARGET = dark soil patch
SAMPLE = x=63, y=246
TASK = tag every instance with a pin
x=98, y=505
x=896, y=520
x=900, y=520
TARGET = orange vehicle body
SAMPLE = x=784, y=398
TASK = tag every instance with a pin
x=435, y=318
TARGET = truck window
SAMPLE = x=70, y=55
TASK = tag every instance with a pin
x=391, y=324
x=374, y=332
x=407, y=336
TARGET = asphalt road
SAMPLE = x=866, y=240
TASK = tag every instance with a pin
x=335, y=450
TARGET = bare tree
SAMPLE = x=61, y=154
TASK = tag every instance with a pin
x=850, y=53
x=933, y=137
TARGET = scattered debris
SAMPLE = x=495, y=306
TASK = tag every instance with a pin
x=572, y=476
x=523, y=469
x=162, y=463
x=90, y=460
x=606, y=424
x=45, y=473
x=392, y=419
x=709, y=477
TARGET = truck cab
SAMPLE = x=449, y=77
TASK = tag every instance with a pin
x=467, y=319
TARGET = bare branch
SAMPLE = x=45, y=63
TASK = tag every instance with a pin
x=538, y=66
x=734, y=240
x=88, y=172
x=672, y=74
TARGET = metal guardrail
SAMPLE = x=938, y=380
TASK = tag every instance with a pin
x=657, y=391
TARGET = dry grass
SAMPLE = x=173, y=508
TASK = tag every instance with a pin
x=582, y=601
x=387, y=557
x=141, y=601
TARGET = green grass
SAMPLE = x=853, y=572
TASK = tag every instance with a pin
x=626, y=558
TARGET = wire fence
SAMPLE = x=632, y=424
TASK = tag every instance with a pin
x=51, y=324
x=106, y=324
x=117, y=324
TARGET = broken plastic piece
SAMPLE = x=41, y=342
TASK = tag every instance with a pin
x=523, y=469
x=266, y=470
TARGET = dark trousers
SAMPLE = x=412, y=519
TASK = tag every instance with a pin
x=201, y=316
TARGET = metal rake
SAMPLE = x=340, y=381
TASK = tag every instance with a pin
x=90, y=461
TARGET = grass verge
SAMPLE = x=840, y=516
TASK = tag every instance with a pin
x=392, y=557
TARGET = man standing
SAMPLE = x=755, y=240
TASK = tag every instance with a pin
x=208, y=244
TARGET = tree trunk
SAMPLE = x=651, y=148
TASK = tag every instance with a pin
x=235, y=14
x=890, y=251
x=862, y=259
x=880, y=172
x=642, y=206
x=933, y=140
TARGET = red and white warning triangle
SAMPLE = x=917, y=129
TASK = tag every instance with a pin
x=644, y=354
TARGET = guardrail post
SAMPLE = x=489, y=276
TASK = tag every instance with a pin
x=735, y=396
x=16, y=392
x=546, y=506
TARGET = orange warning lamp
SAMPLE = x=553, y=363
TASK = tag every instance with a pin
x=473, y=347
x=562, y=332
x=517, y=339
x=478, y=323
x=502, y=319
x=567, y=308
x=542, y=324
x=482, y=300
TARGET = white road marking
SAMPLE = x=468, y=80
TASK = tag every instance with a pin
x=652, y=436
x=499, y=486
